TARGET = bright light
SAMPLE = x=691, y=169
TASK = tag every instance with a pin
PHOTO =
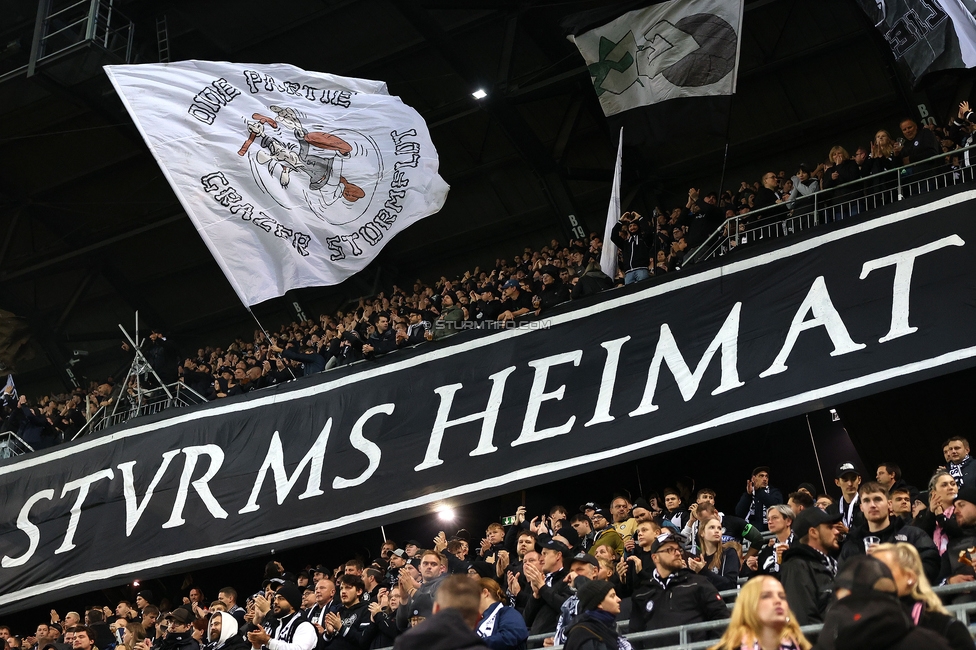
x=479, y=94
x=135, y=583
x=446, y=514
x=834, y=416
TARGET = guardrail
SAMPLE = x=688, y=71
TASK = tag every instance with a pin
x=153, y=401
x=961, y=611
x=834, y=204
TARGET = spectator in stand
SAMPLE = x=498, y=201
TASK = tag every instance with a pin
x=705, y=219
x=900, y=499
x=868, y=615
x=769, y=194
x=312, y=362
x=799, y=501
x=501, y=627
x=549, y=590
x=757, y=499
x=936, y=520
x=734, y=528
x=595, y=629
x=623, y=522
x=634, y=237
x=918, y=600
x=420, y=603
x=957, y=560
x=383, y=614
x=889, y=476
x=674, y=510
x=762, y=620
x=451, y=314
x=920, y=144
x=179, y=633
x=848, y=479
x=351, y=628
x=675, y=596
x=84, y=639
x=222, y=633
x=804, y=185
x=454, y=618
x=842, y=170
x=591, y=282
x=960, y=465
x=808, y=570
x=515, y=302
x=604, y=534
x=825, y=501
x=770, y=557
x=716, y=561
x=384, y=338
x=880, y=528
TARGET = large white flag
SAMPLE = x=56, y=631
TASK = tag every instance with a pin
x=681, y=48
x=608, y=254
x=292, y=178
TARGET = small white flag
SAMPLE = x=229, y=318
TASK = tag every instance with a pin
x=681, y=48
x=292, y=178
x=608, y=254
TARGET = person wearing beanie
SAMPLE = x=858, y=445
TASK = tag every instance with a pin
x=451, y=314
x=596, y=628
x=290, y=631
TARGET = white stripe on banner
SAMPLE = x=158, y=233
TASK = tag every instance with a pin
x=542, y=469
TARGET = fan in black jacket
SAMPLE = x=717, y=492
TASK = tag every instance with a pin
x=351, y=628
x=549, y=591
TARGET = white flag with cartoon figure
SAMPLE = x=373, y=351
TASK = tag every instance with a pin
x=292, y=178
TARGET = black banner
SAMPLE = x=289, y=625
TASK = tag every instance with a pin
x=845, y=311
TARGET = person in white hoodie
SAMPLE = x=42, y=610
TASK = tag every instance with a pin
x=222, y=633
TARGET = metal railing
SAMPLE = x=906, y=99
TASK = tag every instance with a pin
x=12, y=445
x=153, y=401
x=961, y=611
x=834, y=204
x=69, y=25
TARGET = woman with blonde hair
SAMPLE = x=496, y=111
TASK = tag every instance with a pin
x=762, y=620
x=917, y=598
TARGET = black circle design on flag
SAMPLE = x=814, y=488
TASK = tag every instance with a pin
x=715, y=56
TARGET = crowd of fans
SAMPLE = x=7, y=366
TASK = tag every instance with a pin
x=861, y=561
x=504, y=295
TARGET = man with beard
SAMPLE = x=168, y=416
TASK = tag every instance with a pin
x=674, y=594
x=808, y=570
x=222, y=633
x=290, y=631
x=351, y=628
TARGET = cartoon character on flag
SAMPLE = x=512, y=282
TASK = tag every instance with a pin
x=317, y=156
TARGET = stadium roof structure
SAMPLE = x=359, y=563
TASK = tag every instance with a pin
x=90, y=231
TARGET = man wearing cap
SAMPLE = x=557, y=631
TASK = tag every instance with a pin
x=848, y=479
x=515, y=303
x=412, y=547
x=808, y=570
x=757, y=499
x=398, y=559
x=881, y=528
x=549, y=590
x=351, y=628
x=674, y=595
x=604, y=534
x=143, y=598
x=289, y=631
x=179, y=632
x=420, y=603
x=582, y=568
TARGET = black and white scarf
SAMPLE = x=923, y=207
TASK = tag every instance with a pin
x=955, y=469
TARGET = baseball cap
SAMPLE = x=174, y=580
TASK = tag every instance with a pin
x=510, y=283
x=399, y=552
x=662, y=539
x=601, y=512
x=811, y=518
x=846, y=468
x=556, y=545
x=966, y=494
x=589, y=505
x=585, y=557
x=761, y=468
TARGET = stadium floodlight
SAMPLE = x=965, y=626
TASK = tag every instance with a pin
x=446, y=514
x=479, y=94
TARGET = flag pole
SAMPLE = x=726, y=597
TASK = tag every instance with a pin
x=608, y=254
x=268, y=339
x=728, y=138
